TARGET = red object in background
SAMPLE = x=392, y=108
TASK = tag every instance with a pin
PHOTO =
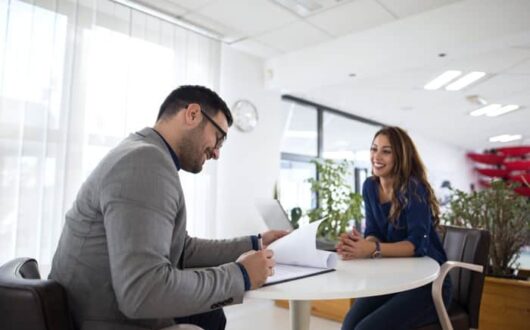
x=490, y=159
x=493, y=172
x=513, y=151
x=518, y=165
x=525, y=191
x=484, y=183
x=519, y=160
x=521, y=178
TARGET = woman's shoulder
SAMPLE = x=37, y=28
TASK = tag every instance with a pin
x=369, y=184
x=416, y=188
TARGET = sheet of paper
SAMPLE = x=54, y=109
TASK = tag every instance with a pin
x=284, y=273
x=296, y=255
x=299, y=248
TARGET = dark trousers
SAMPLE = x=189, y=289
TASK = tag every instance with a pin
x=214, y=320
x=403, y=310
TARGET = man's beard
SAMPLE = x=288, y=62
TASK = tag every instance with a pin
x=191, y=154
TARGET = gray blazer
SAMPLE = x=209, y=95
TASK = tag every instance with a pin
x=124, y=252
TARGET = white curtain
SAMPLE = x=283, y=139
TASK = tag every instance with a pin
x=76, y=77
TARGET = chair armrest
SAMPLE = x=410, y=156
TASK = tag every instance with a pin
x=437, y=285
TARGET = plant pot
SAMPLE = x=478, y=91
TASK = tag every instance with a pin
x=505, y=304
x=511, y=274
x=326, y=244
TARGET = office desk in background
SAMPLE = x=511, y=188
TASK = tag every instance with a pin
x=352, y=279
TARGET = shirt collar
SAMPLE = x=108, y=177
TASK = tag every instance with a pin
x=171, y=151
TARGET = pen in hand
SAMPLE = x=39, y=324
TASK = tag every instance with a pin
x=260, y=242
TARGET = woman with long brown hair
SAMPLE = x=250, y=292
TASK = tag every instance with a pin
x=402, y=214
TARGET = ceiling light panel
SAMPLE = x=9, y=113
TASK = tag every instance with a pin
x=466, y=80
x=505, y=138
x=485, y=110
x=442, y=79
x=503, y=110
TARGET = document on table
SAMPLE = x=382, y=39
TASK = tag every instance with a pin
x=297, y=256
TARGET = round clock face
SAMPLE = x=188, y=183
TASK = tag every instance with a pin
x=245, y=115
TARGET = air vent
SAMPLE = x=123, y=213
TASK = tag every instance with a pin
x=309, y=7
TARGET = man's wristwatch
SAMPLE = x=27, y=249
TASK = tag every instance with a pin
x=377, y=252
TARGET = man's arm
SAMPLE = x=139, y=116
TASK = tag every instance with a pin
x=139, y=202
x=200, y=252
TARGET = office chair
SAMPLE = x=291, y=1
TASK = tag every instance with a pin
x=29, y=302
x=467, y=250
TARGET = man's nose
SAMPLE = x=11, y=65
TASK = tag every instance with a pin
x=216, y=153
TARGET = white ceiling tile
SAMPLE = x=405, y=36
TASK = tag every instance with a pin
x=293, y=36
x=165, y=6
x=256, y=48
x=501, y=88
x=354, y=16
x=403, y=8
x=501, y=60
x=191, y=4
x=522, y=67
x=248, y=17
x=229, y=34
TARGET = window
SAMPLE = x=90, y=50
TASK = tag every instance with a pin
x=300, y=136
x=314, y=131
x=75, y=79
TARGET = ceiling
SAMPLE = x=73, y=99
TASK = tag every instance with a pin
x=373, y=57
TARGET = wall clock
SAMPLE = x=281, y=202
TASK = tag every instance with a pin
x=245, y=115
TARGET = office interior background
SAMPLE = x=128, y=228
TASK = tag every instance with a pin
x=77, y=76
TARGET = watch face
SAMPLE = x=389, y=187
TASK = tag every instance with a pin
x=245, y=115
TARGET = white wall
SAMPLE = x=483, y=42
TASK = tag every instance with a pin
x=250, y=162
x=444, y=162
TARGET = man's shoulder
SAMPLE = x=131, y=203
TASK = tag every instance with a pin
x=140, y=150
x=136, y=158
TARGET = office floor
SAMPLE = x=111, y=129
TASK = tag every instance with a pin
x=257, y=314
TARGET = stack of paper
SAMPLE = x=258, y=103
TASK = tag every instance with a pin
x=296, y=255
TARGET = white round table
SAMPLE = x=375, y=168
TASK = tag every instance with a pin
x=352, y=279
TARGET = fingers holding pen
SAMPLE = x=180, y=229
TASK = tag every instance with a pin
x=259, y=265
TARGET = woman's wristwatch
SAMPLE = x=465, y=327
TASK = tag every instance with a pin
x=377, y=253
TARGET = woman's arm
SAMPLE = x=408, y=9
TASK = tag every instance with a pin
x=353, y=246
x=398, y=249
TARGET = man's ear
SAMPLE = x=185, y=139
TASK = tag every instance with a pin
x=193, y=114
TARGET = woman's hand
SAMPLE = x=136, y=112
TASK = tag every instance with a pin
x=354, y=246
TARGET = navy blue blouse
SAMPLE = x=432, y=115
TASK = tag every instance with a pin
x=414, y=223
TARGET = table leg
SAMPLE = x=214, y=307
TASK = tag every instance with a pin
x=300, y=312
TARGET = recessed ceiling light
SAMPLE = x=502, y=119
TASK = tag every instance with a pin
x=501, y=111
x=506, y=138
x=302, y=8
x=485, y=110
x=465, y=81
x=442, y=79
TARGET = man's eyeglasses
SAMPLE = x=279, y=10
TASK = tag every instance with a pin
x=220, y=140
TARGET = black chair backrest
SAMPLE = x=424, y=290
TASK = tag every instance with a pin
x=471, y=246
x=28, y=302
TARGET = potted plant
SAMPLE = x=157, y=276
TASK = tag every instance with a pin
x=506, y=215
x=337, y=202
x=501, y=211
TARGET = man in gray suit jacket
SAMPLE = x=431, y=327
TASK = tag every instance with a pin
x=124, y=256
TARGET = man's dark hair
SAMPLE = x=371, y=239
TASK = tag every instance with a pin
x=181, y=97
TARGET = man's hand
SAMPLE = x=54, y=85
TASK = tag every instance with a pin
x=259, y=265
x=353, y=246
x=270, y=236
